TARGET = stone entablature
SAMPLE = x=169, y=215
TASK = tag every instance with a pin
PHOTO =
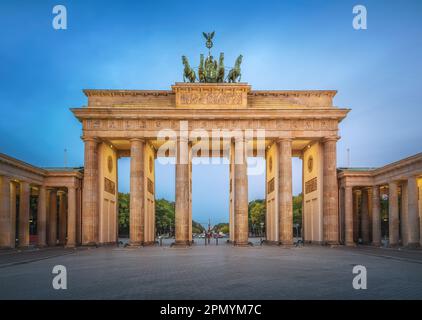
x=22, y=171
x=396, y=171
x=198, y=95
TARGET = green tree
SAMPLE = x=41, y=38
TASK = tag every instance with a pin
x=221, y=227
x=124, y=207
x=297, y=209
x=164, y=216
x=197, y=227
x=256, y=215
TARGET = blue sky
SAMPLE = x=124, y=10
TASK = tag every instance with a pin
x=138, y=44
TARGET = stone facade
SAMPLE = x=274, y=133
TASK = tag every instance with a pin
x=399, y=185
x=58, y=197
x=293, y=121
x=339, y=207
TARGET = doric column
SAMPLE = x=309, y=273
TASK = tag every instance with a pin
x=376, y=216
x=393, y=214
x=5, y=213
x=240, y=193
x=365, y=216
x=79, y=216
x=52, y=219
x=356, y=198
x=137, y=201
x=90, y=209
x=71, y=217
x=330, y=194
x=412, y=212
x=403, y=214
x=13, y=214
x=348, y=215
x=24, y=194
x=182, y=192
x=42, y=217
x=285, y=210
x=62, y=218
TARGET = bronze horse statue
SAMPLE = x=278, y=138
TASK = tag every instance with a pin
x=188, y=72
x=234, y=73
x=220, y=74
x=201, y=71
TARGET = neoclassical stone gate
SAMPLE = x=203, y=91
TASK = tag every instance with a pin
x=140, y=123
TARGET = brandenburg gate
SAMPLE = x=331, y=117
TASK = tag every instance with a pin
x=277, y=125
x=210, y=115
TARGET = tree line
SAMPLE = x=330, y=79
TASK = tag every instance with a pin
x=165, y=216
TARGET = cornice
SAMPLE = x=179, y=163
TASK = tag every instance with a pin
x=262, y=93
x=210, y=114
x=13, y=162
x=344, y=172
x=293, y=93
x=112, y=93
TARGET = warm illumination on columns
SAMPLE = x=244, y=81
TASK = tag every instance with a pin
x=62, y=218
x=412, y=212
x=52, y=219
x=71, y=217
x=285, y=210
x=42, y=217
x=365, y=216
x=90, y=209
x=137, y=203
x=24, y=195
x=241, y=228
x=5, y=213
x=393, y=214
x=348, y=215
x=330, y=191
x=182, y=192
x=376, y=216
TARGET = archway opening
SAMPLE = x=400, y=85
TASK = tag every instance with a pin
x=210, y=200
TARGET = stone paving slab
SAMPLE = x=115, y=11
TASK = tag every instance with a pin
x=216, y=272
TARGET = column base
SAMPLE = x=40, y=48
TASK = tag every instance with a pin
x=149, y=243
x=242, y=244
x=6, y=247
x=134, y=244
x=88, y=244
x=350, y=244
x=181, y=244
x=332, y=243
x=412, y=245
x=285, y=244
x=270, y=242
x=376, y=244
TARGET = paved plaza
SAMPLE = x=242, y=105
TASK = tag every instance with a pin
x=212, y=272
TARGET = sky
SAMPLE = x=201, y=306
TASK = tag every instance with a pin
x=138, y=44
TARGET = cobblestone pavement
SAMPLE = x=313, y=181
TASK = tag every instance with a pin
x=212, y=272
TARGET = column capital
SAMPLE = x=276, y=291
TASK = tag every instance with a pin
x=284, y=139
x=90, y=139
x=183, y=139
x=6, y=178
x=330, y=138
x=240, y=138
x=137, y=139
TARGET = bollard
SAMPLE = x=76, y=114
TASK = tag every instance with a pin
x=216, y=241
